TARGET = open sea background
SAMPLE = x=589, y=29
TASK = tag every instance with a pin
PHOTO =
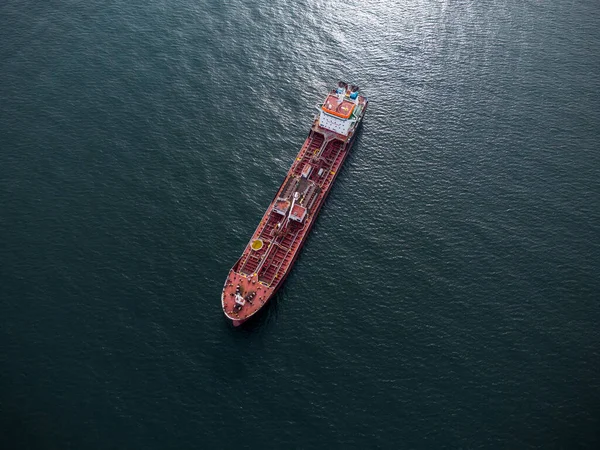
x=448, y=297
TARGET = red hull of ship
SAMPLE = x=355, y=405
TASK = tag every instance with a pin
x=276, y=243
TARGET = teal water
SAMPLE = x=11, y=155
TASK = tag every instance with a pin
x=448, y=296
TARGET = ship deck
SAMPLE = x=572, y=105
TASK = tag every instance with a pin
x=261, y=270
x=247, y=285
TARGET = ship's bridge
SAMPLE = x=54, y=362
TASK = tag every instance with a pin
x=341, y=109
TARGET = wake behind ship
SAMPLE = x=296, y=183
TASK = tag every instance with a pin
x=276, y=242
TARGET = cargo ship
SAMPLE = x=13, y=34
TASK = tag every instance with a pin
x=275, y=244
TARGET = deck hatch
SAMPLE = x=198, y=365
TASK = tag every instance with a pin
x=298, y=213
x=281, y=206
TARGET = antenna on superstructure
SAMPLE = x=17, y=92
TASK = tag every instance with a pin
x=341, y=90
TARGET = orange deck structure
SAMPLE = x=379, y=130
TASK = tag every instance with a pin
x=341, y=109
x=276, y=242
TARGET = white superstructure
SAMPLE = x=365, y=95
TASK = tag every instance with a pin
x=341, y=110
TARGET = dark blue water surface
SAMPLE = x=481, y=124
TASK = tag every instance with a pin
x=448, y=297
